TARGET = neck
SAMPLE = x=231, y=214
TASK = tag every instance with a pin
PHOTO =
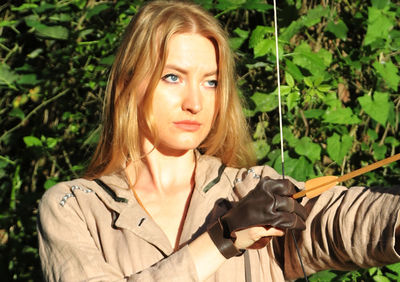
x=162, y=173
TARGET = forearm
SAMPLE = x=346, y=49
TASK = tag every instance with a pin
x=206, y=256
x=348, y=229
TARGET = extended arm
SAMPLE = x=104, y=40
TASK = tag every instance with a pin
x=348, y=229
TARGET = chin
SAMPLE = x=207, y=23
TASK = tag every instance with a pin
x=177, y=149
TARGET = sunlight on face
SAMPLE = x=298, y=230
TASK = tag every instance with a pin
x=184, y=101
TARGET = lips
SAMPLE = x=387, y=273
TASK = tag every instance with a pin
x=188, y=125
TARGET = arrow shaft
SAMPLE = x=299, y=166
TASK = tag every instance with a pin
x=350, y=175
x=368, y=168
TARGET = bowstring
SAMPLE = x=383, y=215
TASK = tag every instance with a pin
x=281, y=126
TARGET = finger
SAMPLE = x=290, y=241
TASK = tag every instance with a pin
x=281, y=187
x=289, y=221
x=284, y=204
x=300, y=210
x=299, y=223
x=260, y=243
x=247, y=180
x=273, y=231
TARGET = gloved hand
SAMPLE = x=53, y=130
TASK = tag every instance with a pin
x=269, y=204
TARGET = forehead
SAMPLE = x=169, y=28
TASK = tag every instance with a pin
x=192, y=50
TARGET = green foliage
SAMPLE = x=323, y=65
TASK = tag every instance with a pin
x=340, y=81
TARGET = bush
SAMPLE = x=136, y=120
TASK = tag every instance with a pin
x=339, y=72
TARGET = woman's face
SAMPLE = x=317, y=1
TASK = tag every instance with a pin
x=184, y=101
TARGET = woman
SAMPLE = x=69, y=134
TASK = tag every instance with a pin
x=164, y=197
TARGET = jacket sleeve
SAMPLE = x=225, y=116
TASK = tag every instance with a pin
x=346, y=229
x=69, y=253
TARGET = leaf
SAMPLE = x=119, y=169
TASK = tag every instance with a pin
x=393, y=141
x=263, y=47
x=289, y=79
x=314, y=16
x=242, y=33
x=372, y=271
x=313, y=113
x=28, y=79
x=97, y=10
x=325, y=275
x=44, y=7
x=306, y=147
x=23, y=7
x=381, y=278
x=326, y=56
x=285, y=90
x=308, y=81
x=293, y=70
x=338, y=147
x=258, y=34
x=50, y=183
x=324, y=87
x=291, y=30
x=51, y=142
x=379, y=151
x=264, y=102
x=35, y=53
x=107, y=60
x=388, y=71
x=380, y=102
x=31, y=141
x=339, y=29
x=300, y=169
x=311, y=18
x=316, y=63
x=236, y=42
x=257, y=5
x=379, y=25
x=17, y=112
x=55, y=32
x=60, y=17
x=229, y=4
x=372, y=134
x=340, y=116
x=380, y=4
x=394, y=267
x=257, y=65
x=261, y=148
x=288, y=137
x=77, y=167
x=292, y=99
x=8, y=23
x=7, y=76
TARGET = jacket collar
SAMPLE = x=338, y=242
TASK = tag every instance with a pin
x=208, y=172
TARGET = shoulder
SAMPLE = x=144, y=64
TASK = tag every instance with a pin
x=60, y=193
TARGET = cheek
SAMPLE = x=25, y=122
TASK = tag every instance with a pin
x=214, y=109
x=163, y=102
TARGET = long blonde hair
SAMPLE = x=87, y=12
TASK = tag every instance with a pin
x=141, y=57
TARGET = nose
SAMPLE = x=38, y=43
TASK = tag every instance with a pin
x=192, y=101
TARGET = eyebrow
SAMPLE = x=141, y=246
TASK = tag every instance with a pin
x=181, y=70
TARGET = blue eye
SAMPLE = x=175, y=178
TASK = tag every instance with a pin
x=212, y=83
x=171, y=78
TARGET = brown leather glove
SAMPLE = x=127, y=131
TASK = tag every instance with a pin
x=268, y=204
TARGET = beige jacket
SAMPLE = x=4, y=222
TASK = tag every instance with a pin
x=88, y=233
